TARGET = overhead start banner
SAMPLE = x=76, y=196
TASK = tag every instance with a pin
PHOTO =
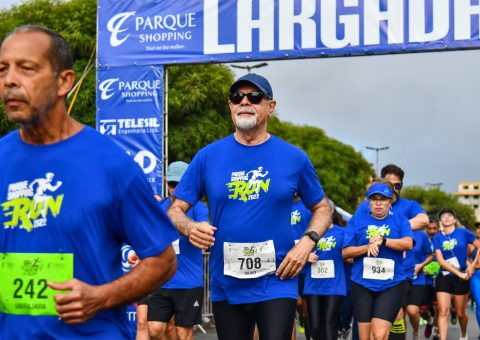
x=194, y=31
x=130, y=111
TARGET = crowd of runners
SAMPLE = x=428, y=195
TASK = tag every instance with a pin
x=71, y=199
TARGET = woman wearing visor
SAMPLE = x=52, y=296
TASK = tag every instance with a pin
x=376, y=241
x=451, y=247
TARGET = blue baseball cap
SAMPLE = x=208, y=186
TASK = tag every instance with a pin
x=380, y=188
x=176, y=170
x=258, y=81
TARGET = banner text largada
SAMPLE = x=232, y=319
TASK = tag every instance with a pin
x=218, y=30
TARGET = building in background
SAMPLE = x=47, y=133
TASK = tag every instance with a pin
x=469, y=193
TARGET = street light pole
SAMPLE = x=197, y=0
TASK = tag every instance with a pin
x=377, y=150
x=248, y=67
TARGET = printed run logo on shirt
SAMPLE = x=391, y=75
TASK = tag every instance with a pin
x=28, y=204
x=449, y=244
x=373, y=230
x=327, y=243
x=248, y=185
x=295, y=217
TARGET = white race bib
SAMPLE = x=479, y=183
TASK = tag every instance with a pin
x=248, y=260
x=176, y=246
x=454, y=263
x=377, y=268
x=324, y=269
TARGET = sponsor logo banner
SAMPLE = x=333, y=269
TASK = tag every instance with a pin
x=170, y=31
x=129, y=110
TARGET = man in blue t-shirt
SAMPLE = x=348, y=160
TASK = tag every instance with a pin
x=70, y=198
x=418, y=220
x=250, y=179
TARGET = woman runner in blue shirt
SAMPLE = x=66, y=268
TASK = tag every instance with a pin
x=377, y=241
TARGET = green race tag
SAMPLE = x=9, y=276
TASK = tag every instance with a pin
x=23, y=284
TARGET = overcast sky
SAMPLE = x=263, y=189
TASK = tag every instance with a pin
x=423, y=106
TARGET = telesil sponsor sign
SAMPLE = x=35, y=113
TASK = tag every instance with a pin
x=172, y=31
x=130, y=111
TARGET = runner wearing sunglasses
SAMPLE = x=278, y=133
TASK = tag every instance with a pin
x=250, y=179
x=418, y=220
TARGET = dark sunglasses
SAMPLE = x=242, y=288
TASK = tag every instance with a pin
x=253, y=97
x=398, y=186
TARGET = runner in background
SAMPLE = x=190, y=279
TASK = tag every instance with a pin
x=250, y=179
x=423, y=252
x=475, y=281
x=325, y=285
x=451, y=249
x=376, y=241
x=182, y=296
x=418, y=220
x=429, y=311
x=300, y=218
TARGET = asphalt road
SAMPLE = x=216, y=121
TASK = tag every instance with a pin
x=453, y=330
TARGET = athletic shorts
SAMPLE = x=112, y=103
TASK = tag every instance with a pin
x=406, y=292
x=429, y=297
x=368, y=304
x=301, y=284
x=416, y=295
x=185, y=304
x=452, y=284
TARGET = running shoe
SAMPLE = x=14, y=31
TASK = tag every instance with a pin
x=436, y=335
x=464, y=337
x=453, y=318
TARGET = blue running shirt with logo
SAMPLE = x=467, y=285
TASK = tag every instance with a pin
x=250, y=192
x=299, y=220
x=423, y=247
x=454, y=245
x=82, y=196
x=189, y=258
x=329, y=248
x=360, y=229
x=409, y=209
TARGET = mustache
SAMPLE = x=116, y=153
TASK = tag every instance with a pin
x=9, y=94
x=246, y=109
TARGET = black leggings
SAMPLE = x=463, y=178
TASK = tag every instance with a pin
x=323, y=315
x=274, y=319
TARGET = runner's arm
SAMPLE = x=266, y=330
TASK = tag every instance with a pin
x=400, y=244
x=447, y=266
x=200, y=234
x=82, y=301
x=354, y=251
x=419, y=266
x=419, y=222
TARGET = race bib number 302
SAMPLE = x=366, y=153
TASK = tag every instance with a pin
x=23, y=283
x=248, y=260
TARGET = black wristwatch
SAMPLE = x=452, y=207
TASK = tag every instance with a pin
x=313, y=236
x=384, y=241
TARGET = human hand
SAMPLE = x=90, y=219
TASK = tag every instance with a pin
x=312, y=257
x=418, y=268
x=464, y=276
x=295, y=259
x=80, y=303
x=200, y=234
x=374, y=247
x=132, y=258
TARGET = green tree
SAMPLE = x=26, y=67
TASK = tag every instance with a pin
x=197, y=101
x=433, y=200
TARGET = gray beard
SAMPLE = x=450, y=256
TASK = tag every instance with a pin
x=245, y=123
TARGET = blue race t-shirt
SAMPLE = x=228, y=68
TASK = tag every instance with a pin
x=361, y=228
x=250, y=191
x=423, y=247
x=82, y=196
x=409, y=209
x=189, y=258
x=299, y=220
x=454, y=245
x=329, y=251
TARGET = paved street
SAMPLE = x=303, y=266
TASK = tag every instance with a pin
x=453, y=331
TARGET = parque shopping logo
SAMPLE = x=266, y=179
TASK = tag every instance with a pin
x=30, y=204
x=248, y=185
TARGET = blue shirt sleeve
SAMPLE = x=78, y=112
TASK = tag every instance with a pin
x=405, y=227
x=437, y=242
x=142, y=223
x=201, y=212
x=309, y=187
x=349, y=238
x=192, y=185
x=469, y=236
x=415, y=209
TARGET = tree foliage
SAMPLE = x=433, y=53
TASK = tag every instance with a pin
x=433, y=200
x=197, y=101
